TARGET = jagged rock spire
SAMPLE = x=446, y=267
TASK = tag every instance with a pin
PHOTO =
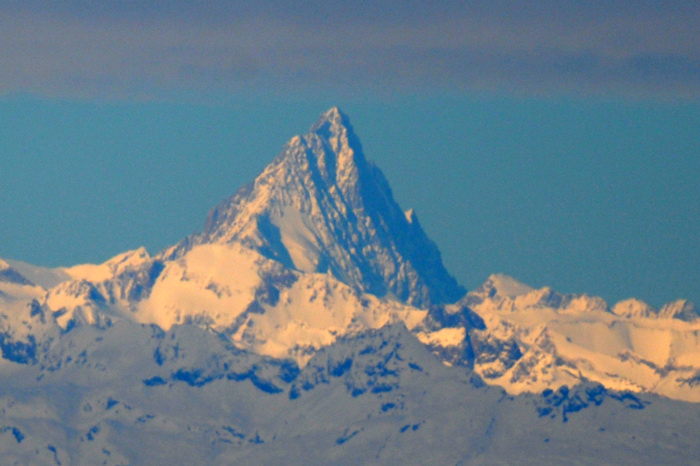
x=321, y=206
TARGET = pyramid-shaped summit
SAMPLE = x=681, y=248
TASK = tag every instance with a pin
x=321, y=206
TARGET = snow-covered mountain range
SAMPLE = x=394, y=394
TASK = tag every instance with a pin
x=313, y=311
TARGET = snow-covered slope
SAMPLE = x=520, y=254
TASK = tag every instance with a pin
x=261, y=305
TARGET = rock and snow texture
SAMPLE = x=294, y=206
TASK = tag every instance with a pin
x=321, y=206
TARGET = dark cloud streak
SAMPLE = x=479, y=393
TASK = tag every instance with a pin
x=149, y=48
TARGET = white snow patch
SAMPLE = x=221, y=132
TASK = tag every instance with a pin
x=298, y=239
x=214, y=281
x=444, y=337
x=410, y=215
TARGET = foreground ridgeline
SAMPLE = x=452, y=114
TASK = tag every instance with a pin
x=313, y=322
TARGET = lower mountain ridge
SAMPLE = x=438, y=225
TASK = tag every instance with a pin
x=134, y=394
x=312, y=322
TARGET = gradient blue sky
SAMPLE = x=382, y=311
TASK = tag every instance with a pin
x=553, y=141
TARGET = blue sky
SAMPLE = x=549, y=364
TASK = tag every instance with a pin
x=554, y=141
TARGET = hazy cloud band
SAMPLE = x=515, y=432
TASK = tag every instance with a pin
x=131, y=49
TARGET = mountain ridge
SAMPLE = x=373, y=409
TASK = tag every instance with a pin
x=316, y=249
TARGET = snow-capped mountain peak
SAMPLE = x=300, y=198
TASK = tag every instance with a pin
x=312, y=322
x=321, y=206
x=334, y=126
